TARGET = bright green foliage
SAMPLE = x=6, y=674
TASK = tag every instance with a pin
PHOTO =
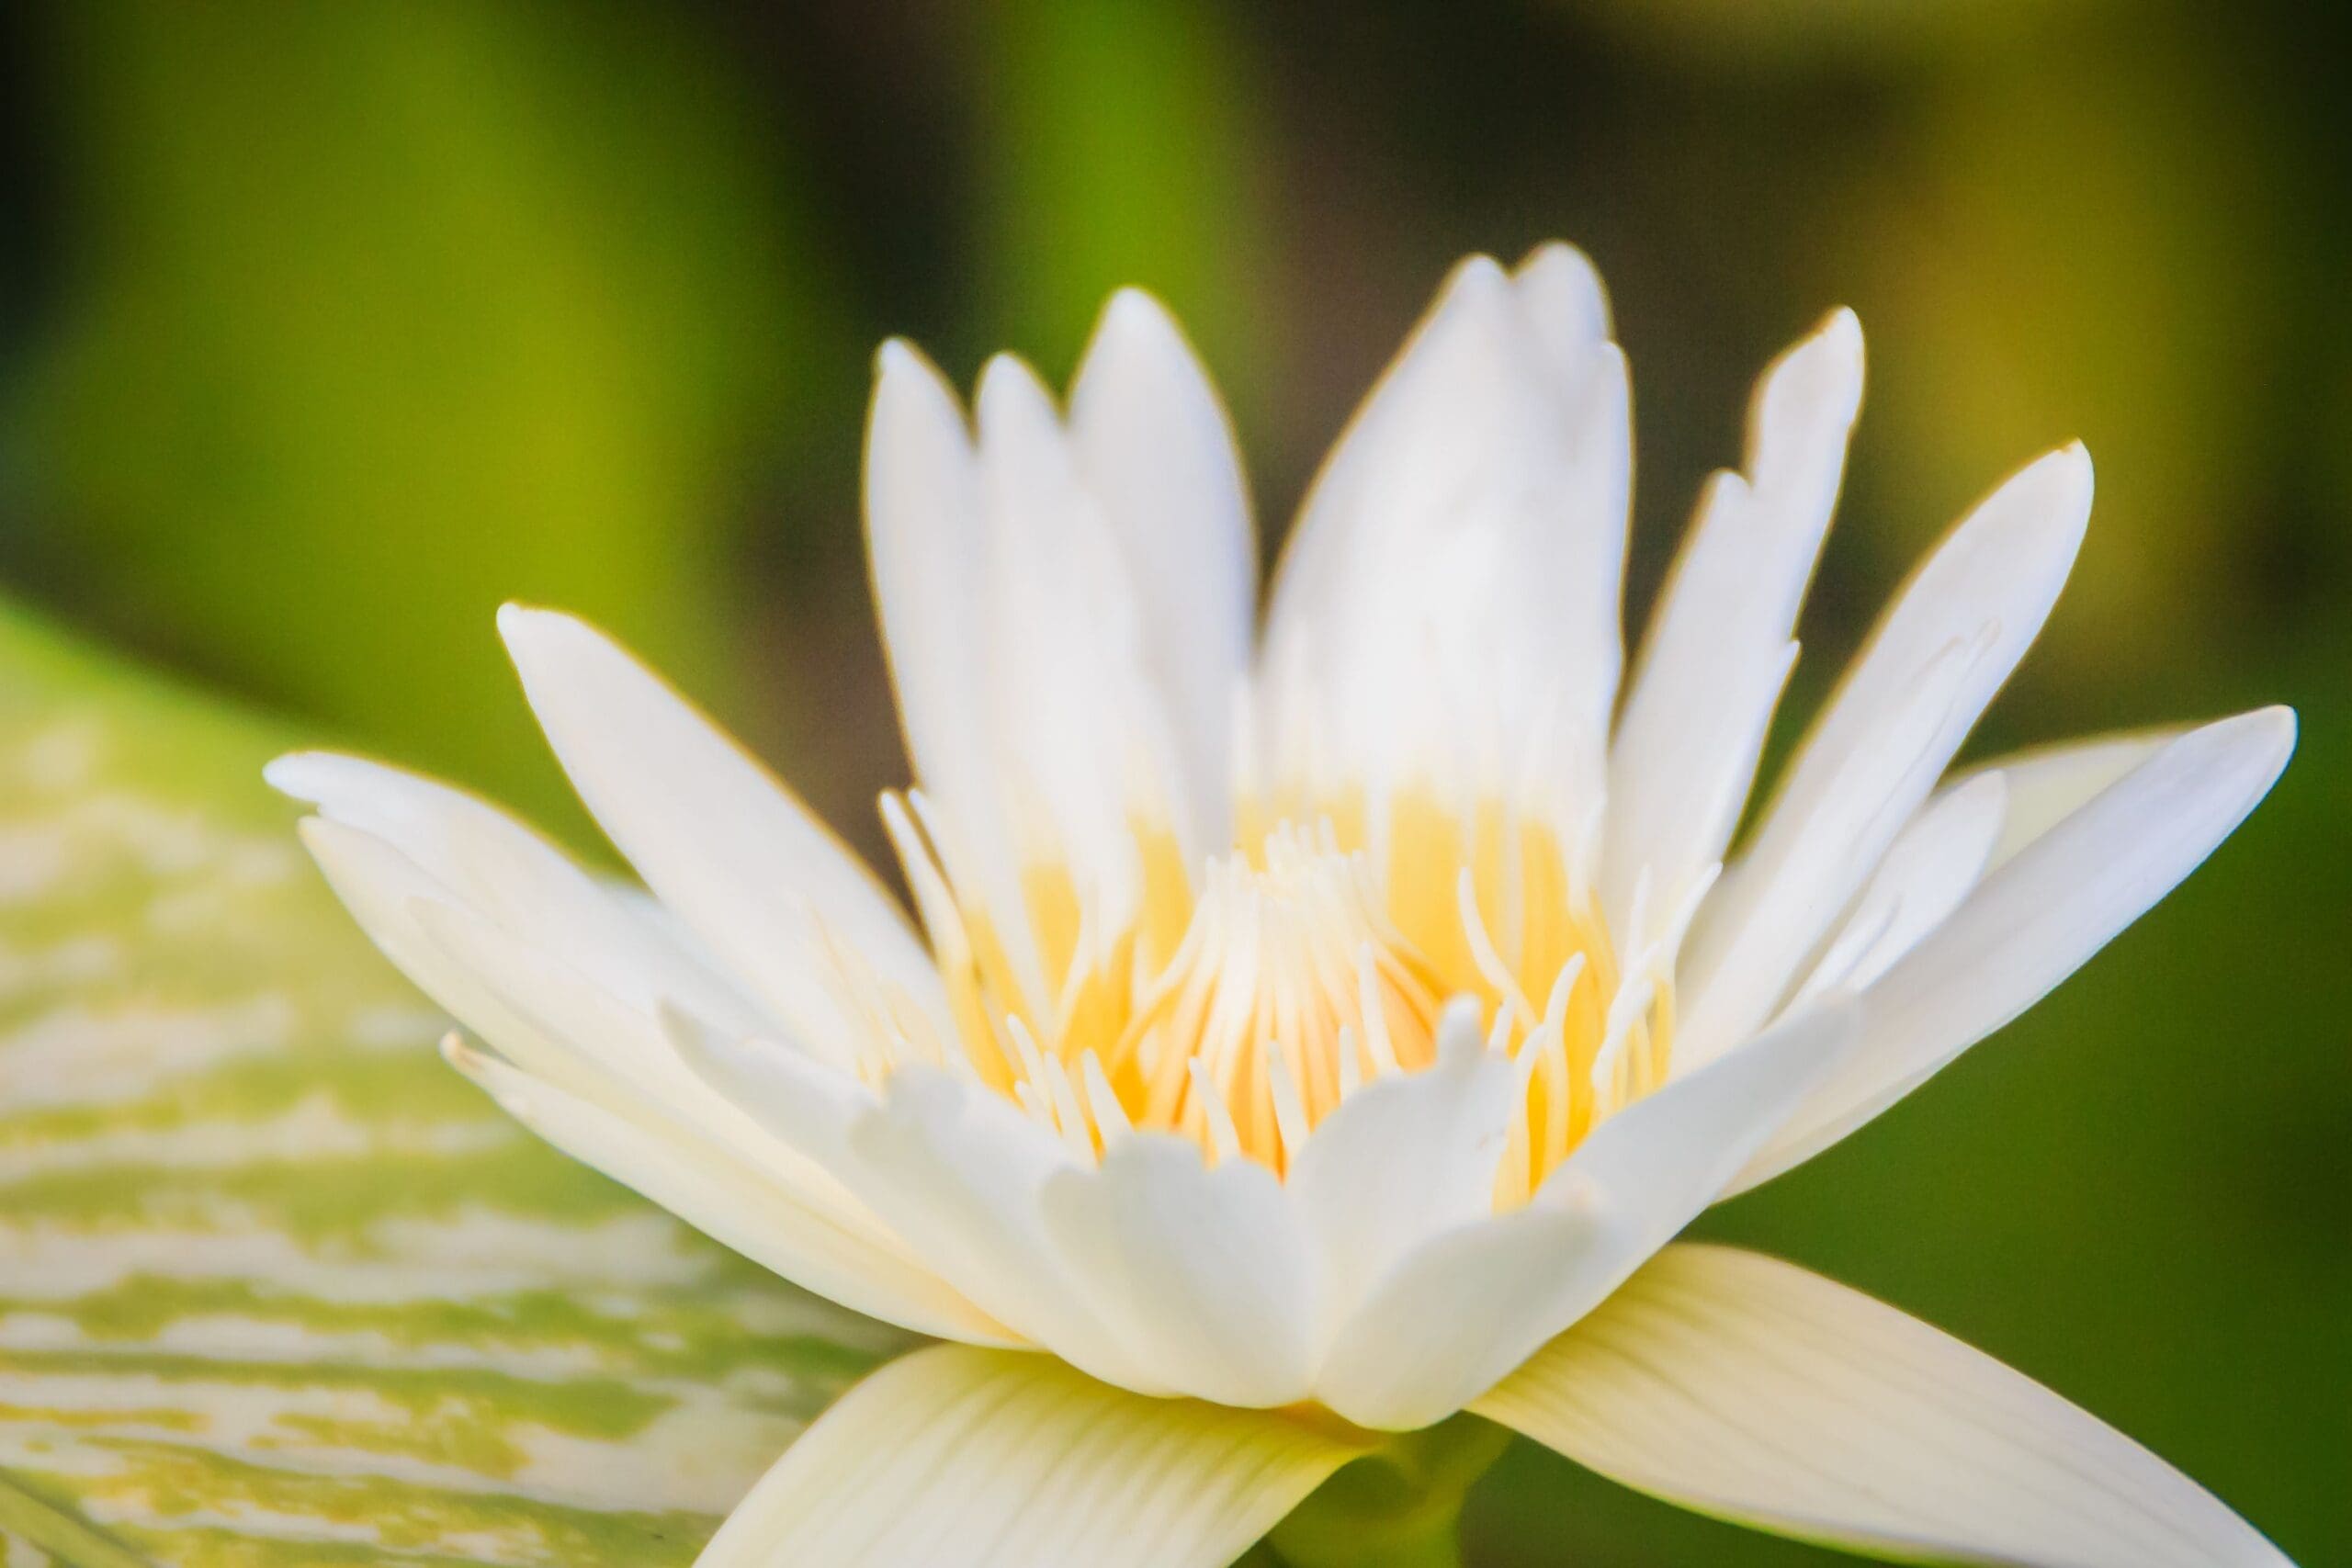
x=276, y=1286
x=378, y=314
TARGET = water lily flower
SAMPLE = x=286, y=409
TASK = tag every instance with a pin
x=1315, y=1032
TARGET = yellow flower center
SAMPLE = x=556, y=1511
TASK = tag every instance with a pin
x=1241, y=1006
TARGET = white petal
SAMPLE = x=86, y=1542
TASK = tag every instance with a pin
x=1405, y=1158
x=956, y=1458
x=960, y=1174
x=1084, y=740
x=926, y=544
x=593, y=1077
x=1048, y=690
x=736, y=1204
x=1747, y=1388
x=1458, y=1314
x=1937, y=659
x=722, y=844
x=383, y=889
x=2035, y=920
x=1462, y=1311
x=493, y=865
x=2048, y=783
x=1718, y=649
x=1158, y=453
x=805, y=1104
x=1202, y=1271
x=1927, y=872
x=1458, y=562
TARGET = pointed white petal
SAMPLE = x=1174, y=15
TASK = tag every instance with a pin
x=960, y=1174
x=736, y=1204
x=1048, y=689
x=1747, y=1388
x=1202, y=1271
x=1936, y=659
x=807, y=1105
x=1927, y=872
x=2035, y=920
x=926, y=543
x=1464, y=1310
x=1085, y=741
x=956, y=1458
x=1461, y=552
x=923, y=545
x=1718, y=649
x=593, y=1077
x=515, y=879
x=1157, y=450
x=2047, y=784
x=721, y=842
x=1363, y=1205
x=1200, y=1275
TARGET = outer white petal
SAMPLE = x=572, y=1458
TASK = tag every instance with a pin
x=1718, y=651
x=2036, y=918
x=1458, y=562
x=1740, y=1386
x=956, y=1458
x=2049, y=783
x=1199, y=1275
x=1927, y=872
x=515, y=879
x=721, y=842
x=593, y=1077
x=1204, y=1273
x=1936, y=659
x=1157, y=451
x=737, y=1204
x=1406, y=1158
x=960, y=1174
x=1462, y=1311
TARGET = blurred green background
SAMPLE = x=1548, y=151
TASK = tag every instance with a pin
x=325, y=328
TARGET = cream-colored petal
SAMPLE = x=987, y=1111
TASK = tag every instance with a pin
x=736, y=1204
x=2036, y=918
x=1937, y=659
x=1366, y=1202
x=1462, y=1311
x=1718, y=649
x=1450, y=595
x=1744, y=1387
x=1202, y=1271
x=956, y=1458
x=1156, y=448
x=720, y=840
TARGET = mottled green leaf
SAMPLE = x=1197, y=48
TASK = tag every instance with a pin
x=277, y=1286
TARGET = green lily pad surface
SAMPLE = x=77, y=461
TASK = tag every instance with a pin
x=276, y=1286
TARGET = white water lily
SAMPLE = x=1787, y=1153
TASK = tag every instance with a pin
x=1315, y=1035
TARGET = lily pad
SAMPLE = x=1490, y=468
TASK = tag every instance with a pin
x=276, y=1286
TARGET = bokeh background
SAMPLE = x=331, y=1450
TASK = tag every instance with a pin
x=325, y=328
